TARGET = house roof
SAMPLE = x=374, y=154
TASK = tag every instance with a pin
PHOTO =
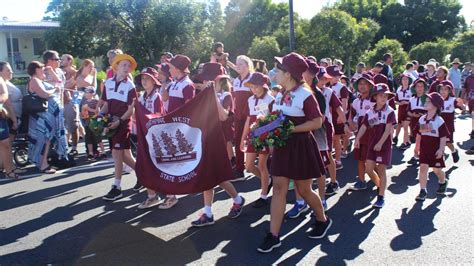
x=39, y=25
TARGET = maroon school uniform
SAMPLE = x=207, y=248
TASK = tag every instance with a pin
x=225, y=98
x=241, y=94
x=119, y=95
x=180, y=91
x=431, y=132
x=361, y=107
x=152, y=102
x=403, y=96
x=469, y=89
x=416, y=106
x=300, y=158
x=342, y=92
x=258, y=106
x=376, y=121
x=332, y=103
x=450, y=104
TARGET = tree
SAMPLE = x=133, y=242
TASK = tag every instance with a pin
x=463, y=48
x=399, y=56
x=427, y=50
x=418, y=21
x=363, y=8
x=170, y=148
x=143, y=28
x=183, y=144
x=335, y=33
x=265, y=48
x=246, y=19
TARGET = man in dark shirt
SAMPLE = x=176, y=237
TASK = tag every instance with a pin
x=387, y=70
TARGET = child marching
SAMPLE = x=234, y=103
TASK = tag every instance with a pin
x=379, y=122
x=450, y=104
x=364, y=86
x=151, y=100
x=118, y=99
x=402, y=99
x=433, y=138
x=416, y=109
x=258, y=105
x=210, y=73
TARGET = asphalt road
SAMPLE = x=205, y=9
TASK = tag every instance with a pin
x=61, y=220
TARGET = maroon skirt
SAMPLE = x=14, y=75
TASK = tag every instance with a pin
x=428, y=147
x=299, y=159
x=339, y=129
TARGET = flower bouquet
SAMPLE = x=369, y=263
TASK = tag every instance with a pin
x=272, y=130
x=99, y=126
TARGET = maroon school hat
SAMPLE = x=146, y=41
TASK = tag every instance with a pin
x=313, y=67
x=210, y=71
x=446, y=83
x=381, y=88
x=181, y=62
x=380, y=78
x=258, y=79
x=149, y=71
x=293, y=63
x=410, y=79
x=323, y=73
x=334, y=71
x=436, y=99
x=365, y=76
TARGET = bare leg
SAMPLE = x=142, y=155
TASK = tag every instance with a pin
x=322, y=187
x=313, y=200
x=278, y=206
x=383, y=178
x=128, y=158
x=361, y=170
x=118, y=156
x=423, y=175
x=6, y=155
x=264, y=174
x=440, y=174
x=406, y=135
x=337, y=147
x=332, y=169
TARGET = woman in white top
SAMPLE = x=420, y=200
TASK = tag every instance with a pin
x=14, y=102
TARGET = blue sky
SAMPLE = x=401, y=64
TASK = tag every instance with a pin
x=33, y=10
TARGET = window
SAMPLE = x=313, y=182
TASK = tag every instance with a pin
x=15, y=46
x=38, y=46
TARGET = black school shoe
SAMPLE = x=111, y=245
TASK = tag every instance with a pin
x=395, y=141
x=422, y=195
x=114, y=194
x=137, y=186
x=270, y=242
x=260, y=203
x=455, y=156
x=320, y=229
x=442, y=188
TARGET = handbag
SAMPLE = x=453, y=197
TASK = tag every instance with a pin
x=33, y=104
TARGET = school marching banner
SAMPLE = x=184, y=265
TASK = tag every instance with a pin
x=183, y=152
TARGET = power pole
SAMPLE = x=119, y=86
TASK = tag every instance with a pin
x=292, y=26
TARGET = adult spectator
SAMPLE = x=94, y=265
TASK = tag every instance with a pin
x=14, y=102
x=455, y=76
x=47, y=127
x=5, y=144
x=416, y=70
x=71, y=108
x=387, y=70
x=53, y=73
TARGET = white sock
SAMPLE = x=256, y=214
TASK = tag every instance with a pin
x=117, y=182
x=300, y=202
x=74, y=147
x=263, y=196
x=238, y=199
x=207, y=210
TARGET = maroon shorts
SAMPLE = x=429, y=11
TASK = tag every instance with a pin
x=428, y=147
x=381, y=157
x=121, y=139
x=471, y=106
x=360, y=154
